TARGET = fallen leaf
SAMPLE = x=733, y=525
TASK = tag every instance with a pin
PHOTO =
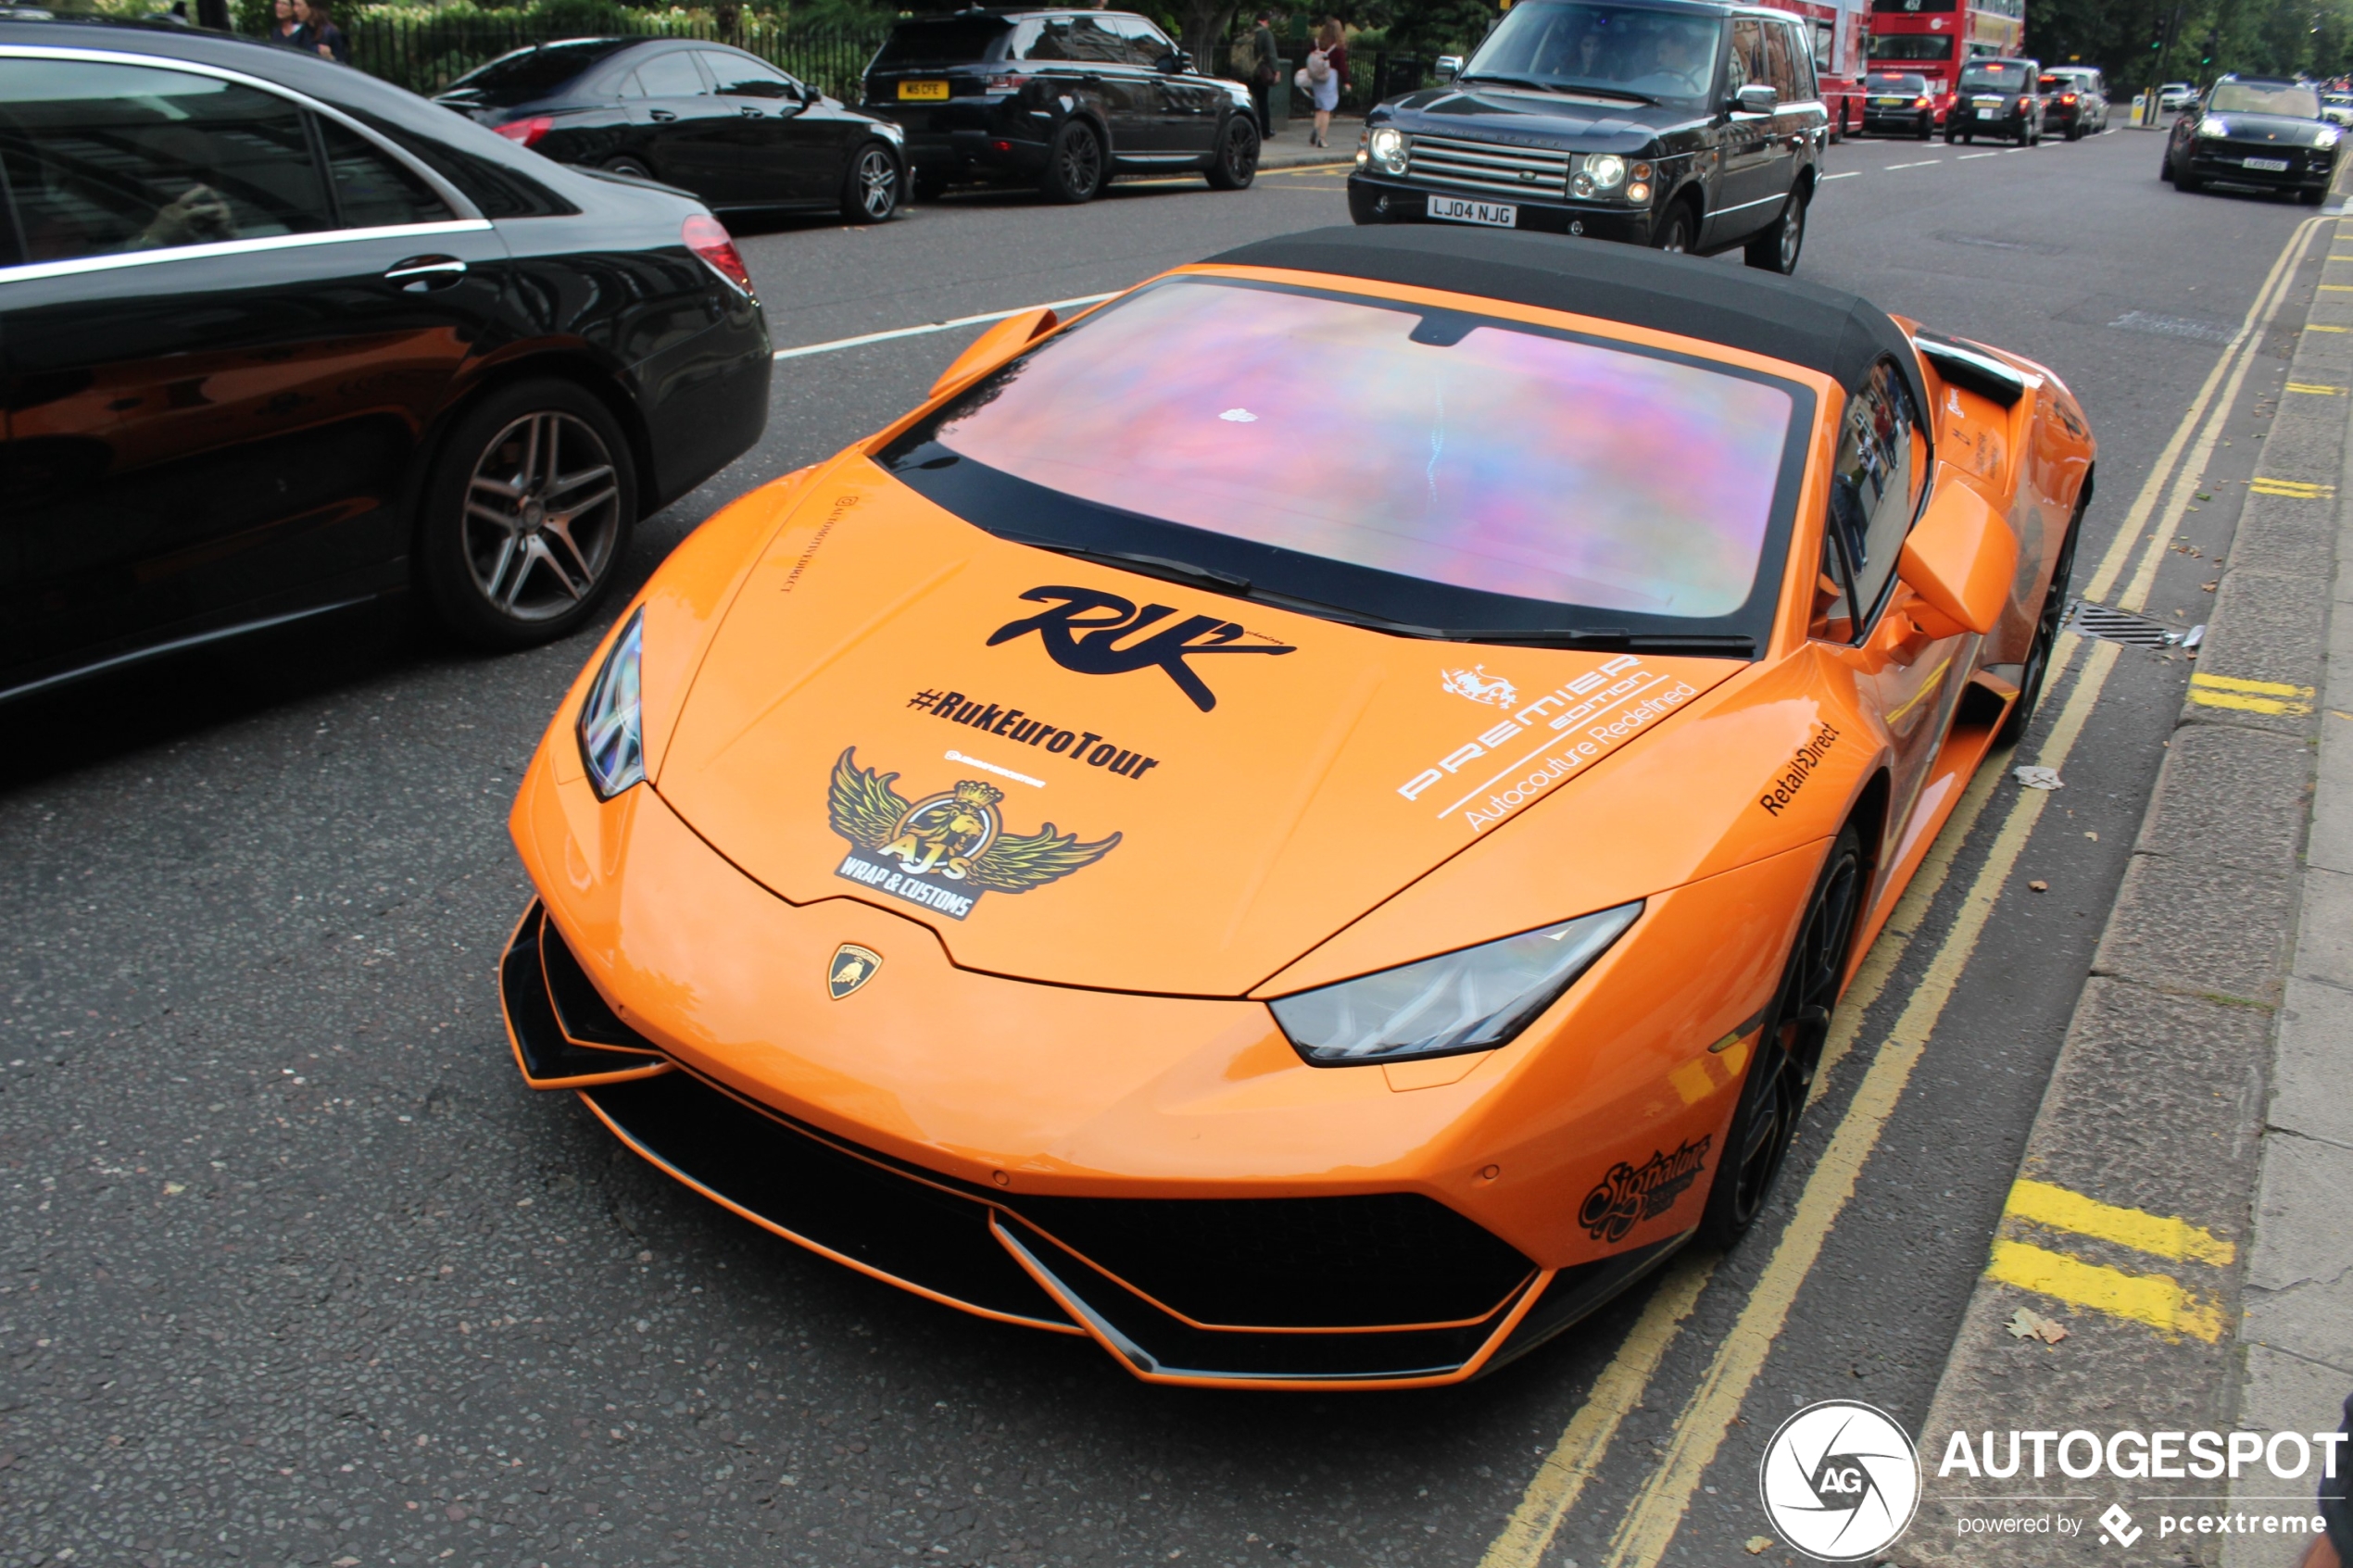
x=2040, y=886
x=2093, y=836
x=1759, y=1545
x=2209, y=587
x=2027, y=1323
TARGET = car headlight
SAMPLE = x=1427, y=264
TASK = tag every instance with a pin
x=1472, y=1001
x=1386, y=144
x=2214, y=128
x=2326, y=137
x=1603, y=173
x=612, y=735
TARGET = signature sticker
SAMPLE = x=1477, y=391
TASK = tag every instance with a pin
x=1631, y=1194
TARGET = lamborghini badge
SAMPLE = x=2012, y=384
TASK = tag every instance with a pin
x=851, y=968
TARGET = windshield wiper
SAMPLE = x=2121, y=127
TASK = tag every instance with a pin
x=1568, y=88
x=1703, y=645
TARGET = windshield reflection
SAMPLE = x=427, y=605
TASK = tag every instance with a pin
x=1619, y=51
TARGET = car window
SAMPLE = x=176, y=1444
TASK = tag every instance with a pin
x=104, y=159
x=2003, y=76
x=2243, y=98
x=1147, y=45
x=1081, y=37
x=671, y=76
x=1476, y=466
x=1748, y=56
x=740, y=76
x=1911, y=46
x=943, y=41
x=1873, y=485
x=1664, y=55
x=1801, y=64
x=1825, y=45
x=373, y=190
x=539, y=72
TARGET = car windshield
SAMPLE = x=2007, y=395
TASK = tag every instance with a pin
x=1899, y=84
x=948, y=41
x=536, y=73
x=1617, y=50
x=1433, y=470
x=1911, y=46
x=2245, y=97
x=1996, y=76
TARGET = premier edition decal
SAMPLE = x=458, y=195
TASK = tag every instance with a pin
x=1082, y=632
x=1639, y=695
x=942, y=852
x=1016, y=725
x=1629, y=1194
x=1802, y=764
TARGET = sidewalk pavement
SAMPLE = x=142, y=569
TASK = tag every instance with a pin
x=1288, y=148
x=2181, y=1210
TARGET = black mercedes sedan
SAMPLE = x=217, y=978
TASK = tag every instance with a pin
x=2266, y=133
x=1060, y=99
x=1682, y=124
x=706, y=118
x=281, y=338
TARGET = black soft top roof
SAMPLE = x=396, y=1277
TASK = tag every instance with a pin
x=1839, y=334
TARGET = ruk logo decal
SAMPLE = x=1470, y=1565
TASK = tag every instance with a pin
x=1479, y=686
x=1084, y=628
x=1629, y=1195
x=947, y=849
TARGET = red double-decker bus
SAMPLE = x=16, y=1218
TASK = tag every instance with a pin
x=1839, y=30
x=1936, y=38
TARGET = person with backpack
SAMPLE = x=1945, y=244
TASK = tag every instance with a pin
x=1260, y=67
x=1323, y=76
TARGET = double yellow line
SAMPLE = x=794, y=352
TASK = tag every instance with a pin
x=1649, y=1525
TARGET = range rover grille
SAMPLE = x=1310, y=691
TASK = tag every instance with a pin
x=1488, y=167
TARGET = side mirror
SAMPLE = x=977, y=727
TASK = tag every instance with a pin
x=1960, y=561
x=1758, y=98
x=1449, y=67
x=1176, y=64
x=995, y=346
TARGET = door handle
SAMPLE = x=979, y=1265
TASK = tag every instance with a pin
x=747, y=111
x=664, y=114
x=419, y=273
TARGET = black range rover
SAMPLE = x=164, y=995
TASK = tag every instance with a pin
x=1064, y=98
x=1674, y=123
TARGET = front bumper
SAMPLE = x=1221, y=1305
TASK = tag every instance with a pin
x=1380, y=199
x=2224, y=163
x=1393, y=1289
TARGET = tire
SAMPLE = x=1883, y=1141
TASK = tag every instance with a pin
x=1948, y=136
x=2184, y=181
x=2075, y=131
x=1969, y=138
x=2038, y=652
x=1775, y=248
x=635, y=167
x=502, y=566
x=1235, y=163
x=870, y=189
x=1074, y=165
x=1928, y=127
x=1678, y=231
x=1788, y=1051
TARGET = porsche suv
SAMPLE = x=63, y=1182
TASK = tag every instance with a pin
x=1686, y=126
x=2263, y=131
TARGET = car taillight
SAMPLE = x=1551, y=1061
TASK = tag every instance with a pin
x=1010, y=83
x=2067, y=97
x=528, y=129
x=2026, y=105
x=1919, y=103
x=708, y=238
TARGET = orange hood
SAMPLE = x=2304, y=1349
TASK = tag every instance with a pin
x=1085, y=776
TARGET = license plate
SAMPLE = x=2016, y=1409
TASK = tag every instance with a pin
x=1454, y=210
x=2276, y=165
x=922, y=92
x=1888, y=103
x=1987, y=103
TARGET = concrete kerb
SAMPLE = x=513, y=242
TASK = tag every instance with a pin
x=2204, y=1073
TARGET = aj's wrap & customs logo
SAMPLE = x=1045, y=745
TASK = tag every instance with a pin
x=943, y=851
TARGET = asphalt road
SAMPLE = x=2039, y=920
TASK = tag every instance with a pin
x=295, y=1270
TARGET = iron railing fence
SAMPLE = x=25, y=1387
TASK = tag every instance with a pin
x=426, y=54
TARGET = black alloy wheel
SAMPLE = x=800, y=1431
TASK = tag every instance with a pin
x=635, y=167
x=1775, y=249
x=1788, y=1051
x=528, y=512
x=1073, y=165
x=870, y=194
x=2046, y=625
x=1236, y=162
x=1676, y=230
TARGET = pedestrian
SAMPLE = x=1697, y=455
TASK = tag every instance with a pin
x=1265, y=68
x=319, y=33
x=2335, y=1548
x=1325, y=73
x=285, y=28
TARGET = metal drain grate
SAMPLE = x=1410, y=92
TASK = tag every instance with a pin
x=2088, y=620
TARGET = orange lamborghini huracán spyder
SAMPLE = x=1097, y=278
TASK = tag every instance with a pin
x=1307, y=823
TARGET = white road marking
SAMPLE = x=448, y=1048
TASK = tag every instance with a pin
x=1966, y=156
x=1923, y=164
x=1848, y=175
x=860, y=341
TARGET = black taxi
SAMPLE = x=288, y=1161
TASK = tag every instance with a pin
x=1675, y=123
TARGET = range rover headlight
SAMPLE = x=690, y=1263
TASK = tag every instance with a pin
x=1386, y=144
x=1608, y=171
x=611, y=729
x=1472, y=1001
x=2210, y=126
